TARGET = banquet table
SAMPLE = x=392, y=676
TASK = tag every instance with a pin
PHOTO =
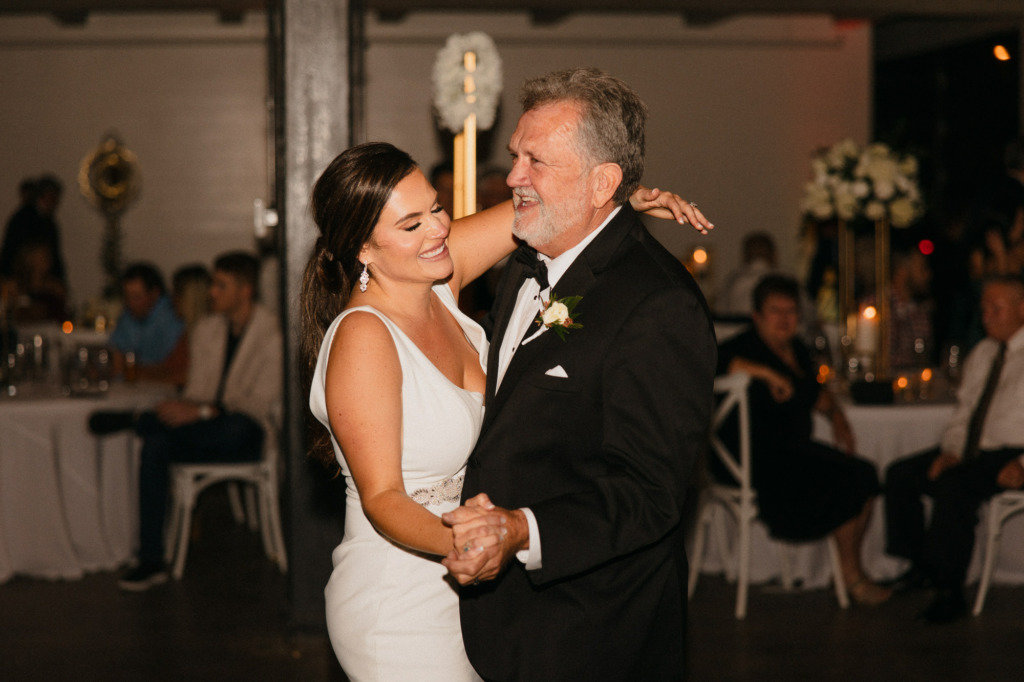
x=68, y=500
x=883, y=434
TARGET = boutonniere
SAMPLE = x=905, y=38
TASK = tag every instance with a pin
x=557, y=315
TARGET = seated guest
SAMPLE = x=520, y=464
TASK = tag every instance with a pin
x=805, y=489
x=190, y=296
x=148, y=329
x=758, y=260
x=234, y=380
x=910, y=333
x=190, y=293
x=981, y=453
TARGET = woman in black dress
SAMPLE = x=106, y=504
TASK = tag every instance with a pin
x=805, y=489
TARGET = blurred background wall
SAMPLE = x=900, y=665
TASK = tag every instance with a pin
x=736, y=108
x=185, y=92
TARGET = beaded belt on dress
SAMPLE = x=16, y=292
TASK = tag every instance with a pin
x=448, y=490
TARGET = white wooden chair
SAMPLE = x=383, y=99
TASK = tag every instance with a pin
x=740, y=501
x=1000, y=508
x=260, y=479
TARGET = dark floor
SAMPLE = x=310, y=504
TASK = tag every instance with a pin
x=226, y=620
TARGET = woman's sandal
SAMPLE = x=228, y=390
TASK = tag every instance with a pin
x=866, y=593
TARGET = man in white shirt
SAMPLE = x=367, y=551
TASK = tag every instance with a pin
x=981, y=453
x=737, y=295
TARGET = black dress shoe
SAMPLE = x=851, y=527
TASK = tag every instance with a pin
x=144, y=576
x=948, y=605
x=911, y=580
x=103, y=423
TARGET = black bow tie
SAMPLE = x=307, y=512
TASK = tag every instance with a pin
x=532, y=265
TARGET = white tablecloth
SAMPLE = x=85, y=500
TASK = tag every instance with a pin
x=884, y=433
x=68, y=501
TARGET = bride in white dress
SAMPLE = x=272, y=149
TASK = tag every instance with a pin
x=397, y=377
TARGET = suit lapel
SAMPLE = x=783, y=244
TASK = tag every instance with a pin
x=576, y=281
x=508, y=290
x=251, y=337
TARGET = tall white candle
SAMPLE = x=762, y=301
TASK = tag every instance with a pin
x=866, y=340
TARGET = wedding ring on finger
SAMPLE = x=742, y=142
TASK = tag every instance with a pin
x=466, y=548
x=693, y=204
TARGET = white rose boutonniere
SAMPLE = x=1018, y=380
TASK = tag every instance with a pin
x=557, y=315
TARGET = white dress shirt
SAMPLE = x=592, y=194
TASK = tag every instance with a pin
x=529, y=302
x=1004, y=421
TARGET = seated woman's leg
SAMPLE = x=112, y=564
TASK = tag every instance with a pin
x=849, y=539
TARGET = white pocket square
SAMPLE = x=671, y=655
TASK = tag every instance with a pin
x=557, y=371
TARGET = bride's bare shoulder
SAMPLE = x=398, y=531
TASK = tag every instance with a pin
x=362, y=340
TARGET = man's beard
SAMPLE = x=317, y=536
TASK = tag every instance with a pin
x=550, y=220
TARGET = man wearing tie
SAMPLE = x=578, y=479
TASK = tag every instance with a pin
x=598, y=400
x=981, y=453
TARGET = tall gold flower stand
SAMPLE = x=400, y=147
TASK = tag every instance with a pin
x=866, y=341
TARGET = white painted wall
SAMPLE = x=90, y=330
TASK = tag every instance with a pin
x=736, y=108
x=184, y=92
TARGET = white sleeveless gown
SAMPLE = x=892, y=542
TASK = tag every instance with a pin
x=391, y=613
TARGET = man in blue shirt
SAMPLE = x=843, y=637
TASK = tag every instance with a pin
x=148, y=329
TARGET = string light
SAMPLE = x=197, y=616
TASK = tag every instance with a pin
x=1001, y=53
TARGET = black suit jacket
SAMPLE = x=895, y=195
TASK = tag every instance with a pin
x=603, y=459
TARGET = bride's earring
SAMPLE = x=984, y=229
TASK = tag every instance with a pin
x=364, y=278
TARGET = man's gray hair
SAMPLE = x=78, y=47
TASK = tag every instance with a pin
x=612, y=119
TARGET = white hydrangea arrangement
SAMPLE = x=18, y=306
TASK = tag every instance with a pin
x=874, y=183
x=450, y=100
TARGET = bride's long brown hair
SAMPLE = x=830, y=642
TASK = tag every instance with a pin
x=347, y=201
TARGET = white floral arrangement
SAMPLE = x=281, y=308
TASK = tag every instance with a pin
x=874, y=183
x=450, y=98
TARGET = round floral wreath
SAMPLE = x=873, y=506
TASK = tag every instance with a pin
x=108, y=176
x=449, y=76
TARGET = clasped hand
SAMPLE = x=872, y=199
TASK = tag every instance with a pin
x=484, y=539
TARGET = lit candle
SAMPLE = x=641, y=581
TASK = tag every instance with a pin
x=700, y=259
x=866, y=340
x=924, y=391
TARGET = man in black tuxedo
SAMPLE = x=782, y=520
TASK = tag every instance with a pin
x=591, y=431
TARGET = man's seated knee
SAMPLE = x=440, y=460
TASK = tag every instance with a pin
x=246, y=432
